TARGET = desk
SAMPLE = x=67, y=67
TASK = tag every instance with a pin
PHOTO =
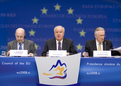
x=100, y=72
x=22, y=71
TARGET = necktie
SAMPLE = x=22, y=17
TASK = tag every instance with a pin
x=20, y=46
x=99, y=47
x=59, y=45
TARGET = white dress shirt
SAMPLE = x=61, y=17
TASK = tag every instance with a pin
x=97, y=44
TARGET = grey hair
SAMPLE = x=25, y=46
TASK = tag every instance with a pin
x=60, y=26
x=99, y=29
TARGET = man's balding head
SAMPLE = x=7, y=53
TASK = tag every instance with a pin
x=20, y=34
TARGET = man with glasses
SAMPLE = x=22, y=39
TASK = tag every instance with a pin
x=21, y=43
x=99, y=43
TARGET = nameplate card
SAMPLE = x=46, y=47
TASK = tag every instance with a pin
x=57, y=53
x=101, y=53
x=18, y=52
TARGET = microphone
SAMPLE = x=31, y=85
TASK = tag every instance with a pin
x=105, y=44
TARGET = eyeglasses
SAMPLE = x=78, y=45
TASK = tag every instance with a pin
x=102, y=35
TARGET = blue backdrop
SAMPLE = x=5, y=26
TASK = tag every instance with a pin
x=79, y=17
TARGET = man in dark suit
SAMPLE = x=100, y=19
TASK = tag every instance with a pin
x=21, y=44
x=65, y=44
x=99, y=43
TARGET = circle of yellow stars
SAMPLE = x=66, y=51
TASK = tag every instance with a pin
x=57, y=8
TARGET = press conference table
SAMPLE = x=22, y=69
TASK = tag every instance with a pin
x=22, y=71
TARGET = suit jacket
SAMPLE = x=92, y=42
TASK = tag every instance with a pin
x=28, y=45
x=91, y=45
x=66, y=45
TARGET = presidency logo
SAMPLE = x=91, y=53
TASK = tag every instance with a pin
x=57, y=71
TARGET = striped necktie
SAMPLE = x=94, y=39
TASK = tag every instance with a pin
x=20, y=46
x=59, y=45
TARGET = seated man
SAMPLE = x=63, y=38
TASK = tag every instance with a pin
x=59, y=43
x=21, y=44
x=99, y=43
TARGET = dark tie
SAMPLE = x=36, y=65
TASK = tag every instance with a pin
x=59, y=45
x=20, y=46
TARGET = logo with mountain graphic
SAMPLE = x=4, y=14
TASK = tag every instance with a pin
x=57, y=71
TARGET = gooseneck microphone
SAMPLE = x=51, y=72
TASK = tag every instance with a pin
x=105, y=44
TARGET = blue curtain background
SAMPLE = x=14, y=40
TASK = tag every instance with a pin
x=79, y=17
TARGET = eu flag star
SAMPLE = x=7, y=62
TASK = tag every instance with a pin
x=32, y=33
x=57, y=7
x=79, y=47
x=36, y=46
x=79, y=21
x=44, y=11
x=35, y=20
x=82, y=33
x=70, y=11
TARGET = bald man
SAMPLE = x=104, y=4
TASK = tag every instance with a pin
x=25, y=44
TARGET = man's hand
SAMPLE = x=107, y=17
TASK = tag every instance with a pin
x=85, y=54
x=31, y=54
x=67, y=53
x=8, y=53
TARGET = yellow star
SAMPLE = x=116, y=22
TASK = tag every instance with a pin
x=32, y=33
x=44, y=11
x=79, y=47
x=70, y=11
x=57, y=7
x=79, y=21
x=35, y=20
x=36, y=46
x=82, y=33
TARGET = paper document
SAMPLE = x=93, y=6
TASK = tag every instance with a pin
x=119, y=48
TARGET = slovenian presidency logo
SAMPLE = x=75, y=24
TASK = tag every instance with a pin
x=57, y=71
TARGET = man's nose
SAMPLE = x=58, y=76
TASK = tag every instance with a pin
x=19, y=37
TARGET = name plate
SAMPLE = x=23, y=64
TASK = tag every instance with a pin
x=101, y=53
x=18, y=52
x=57, y=53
